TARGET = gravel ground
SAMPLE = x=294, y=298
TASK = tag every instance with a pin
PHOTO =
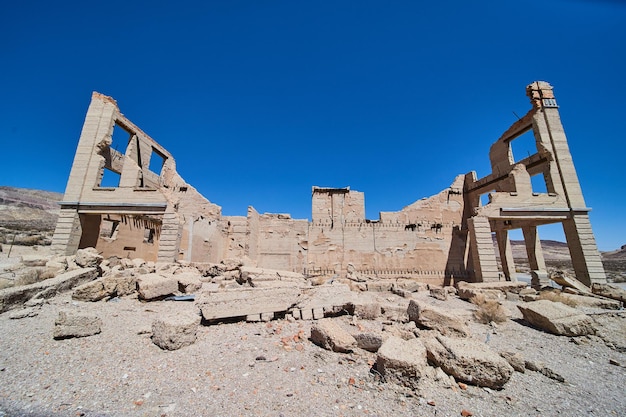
x=272, y=369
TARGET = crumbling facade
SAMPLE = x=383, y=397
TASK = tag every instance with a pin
x=513, y=204
x=149, y=211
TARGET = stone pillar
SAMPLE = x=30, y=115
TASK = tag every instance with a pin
x=506, y=254
x=535, y=257
x=583, y=250
x=483, y=252
x=67, y=233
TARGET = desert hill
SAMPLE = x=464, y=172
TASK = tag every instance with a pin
x=28, y=209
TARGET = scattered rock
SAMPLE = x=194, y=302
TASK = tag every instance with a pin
x=402, y=361
x=516, y=360
x=439, y=293
x=379, y=286
x=431, y=317
x=154, y=286
x=188, y=282
x=22, y=314
x=329, y=335
x=367, y=311
x=557, y=318
x=469, y=361
x=175, y=331
x=368, y=341
x=16, y=296
x=88, y=258
x=70, y=324
x=609, y=291
x=110, y=286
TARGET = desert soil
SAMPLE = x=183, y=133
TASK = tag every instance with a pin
x=272, y=369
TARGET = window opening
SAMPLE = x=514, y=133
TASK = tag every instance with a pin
x=110, y=179
x=120, y=139
x=523, y=146
x=157, y=160
x=538, y=183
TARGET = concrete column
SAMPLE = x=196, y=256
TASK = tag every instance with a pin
x=535, y=257
x=482, y=250
x=67, y=233
x=506, y=254
x=583, y=250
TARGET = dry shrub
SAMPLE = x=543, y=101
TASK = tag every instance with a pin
x=488, y=311
x=479, y=299
x=557, y=297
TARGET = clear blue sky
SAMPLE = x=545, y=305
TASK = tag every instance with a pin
x=260, y=100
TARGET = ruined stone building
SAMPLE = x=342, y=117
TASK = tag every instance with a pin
x=150, y=212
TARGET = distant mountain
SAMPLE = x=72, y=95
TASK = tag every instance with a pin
x=27, y=209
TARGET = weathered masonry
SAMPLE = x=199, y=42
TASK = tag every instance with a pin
x=132, y=203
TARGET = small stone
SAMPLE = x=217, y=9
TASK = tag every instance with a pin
x=462, y=386
x=431, y=403
x=466, y=413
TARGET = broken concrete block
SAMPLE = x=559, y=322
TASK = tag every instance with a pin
x=557, y=318
x=110, y=286
x=410, y=285
x=379, y=286
x=469, y=361
x=593, y=301
x=466, y=293
x=368, y=341
x=331, y=297
x=439, y=293
x=34, y=260
x=516, y=360
x=242, y=302
x=188, y=282
x=329, y=335
x=306, y=314
x=16, y=296
x=250, y=274
x=70, y=324
x=318, y=313
x=367, y=311
x=88, y=258
x=90, y=291
x=175, y=331
x=609, y=291
x=153, y=286
x=402, y=361
x=431, y=317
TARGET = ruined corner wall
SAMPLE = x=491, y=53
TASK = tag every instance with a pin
x=147, y=208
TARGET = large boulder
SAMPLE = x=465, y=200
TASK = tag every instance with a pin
x=70, y=324
x=402, y=361
x=329, y=335
x=469, y=361
x=557, y=318
x=154, y=286
x=431, y=317
x=175, y=331
x=88, y=258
